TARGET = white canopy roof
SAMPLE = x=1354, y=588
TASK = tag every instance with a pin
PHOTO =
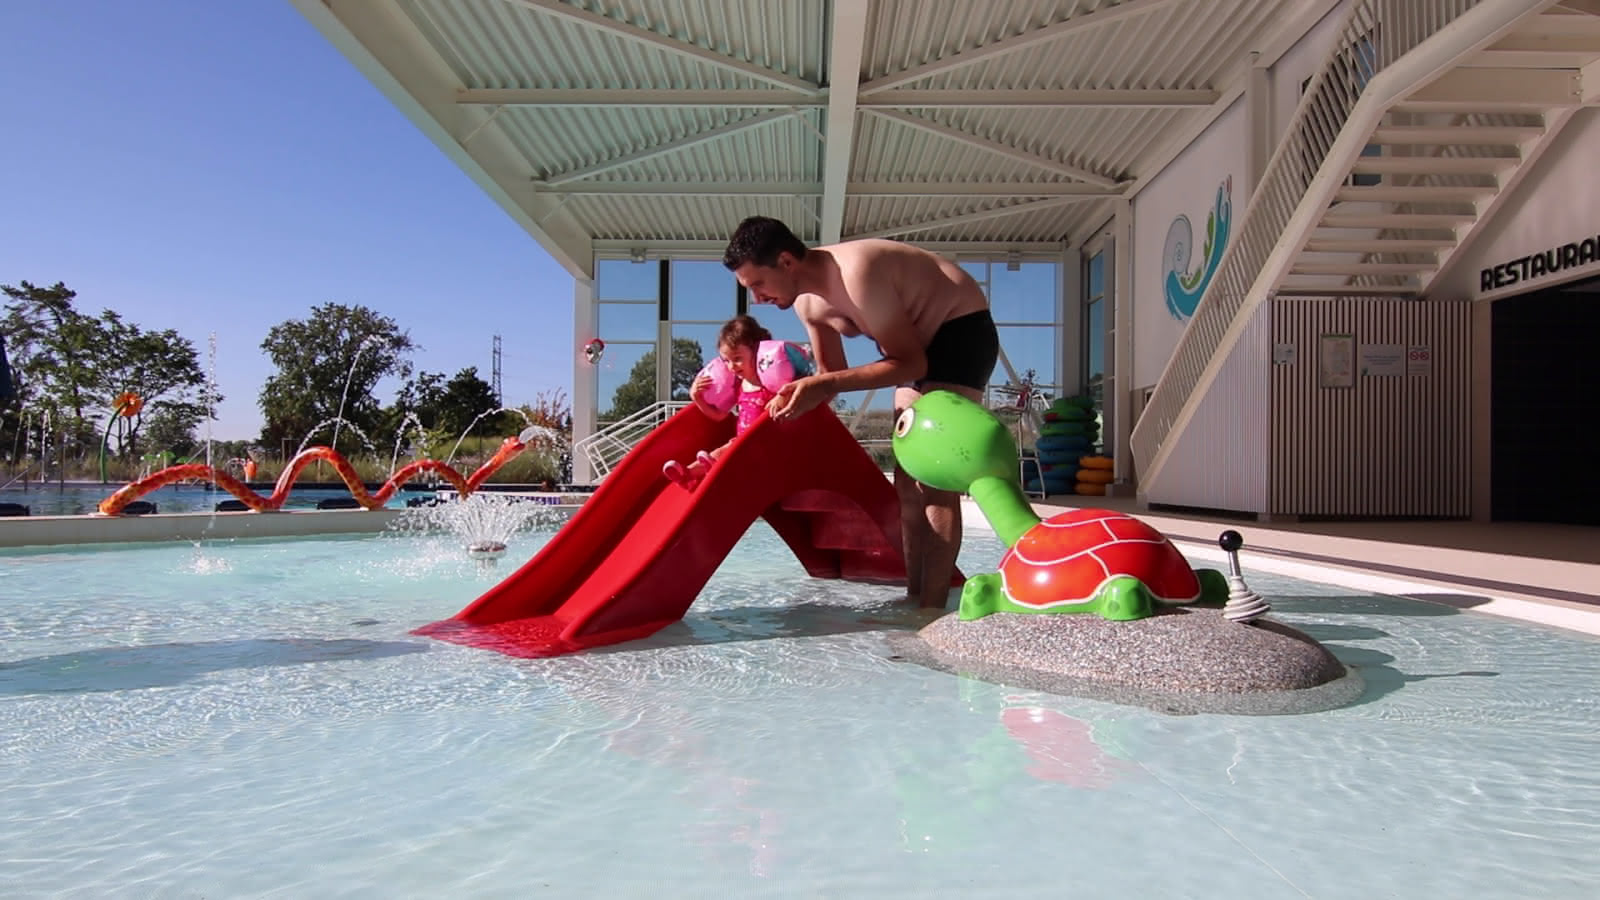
x=659, y=124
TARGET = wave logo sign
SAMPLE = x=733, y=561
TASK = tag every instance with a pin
x=1183, y=287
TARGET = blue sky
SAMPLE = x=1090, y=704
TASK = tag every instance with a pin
x=219, y=167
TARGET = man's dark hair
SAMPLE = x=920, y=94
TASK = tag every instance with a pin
x=760, y=239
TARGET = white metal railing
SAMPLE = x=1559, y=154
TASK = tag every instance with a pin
x=608, y=445
x=1385, y=49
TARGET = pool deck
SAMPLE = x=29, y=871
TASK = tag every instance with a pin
x=1529, y=571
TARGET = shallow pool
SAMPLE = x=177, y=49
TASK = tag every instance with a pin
x=78, y=499
x=254, y=719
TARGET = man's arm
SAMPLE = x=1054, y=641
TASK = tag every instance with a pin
x=827, y=348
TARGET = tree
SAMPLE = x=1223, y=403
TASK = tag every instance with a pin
x=466, y=396
x=162, y=367
x=76, y=365
x=639, y=391
x=339, y=348
x=169, y=430
x=50, y=344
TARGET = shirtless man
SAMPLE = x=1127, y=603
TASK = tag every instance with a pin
x=931, y=322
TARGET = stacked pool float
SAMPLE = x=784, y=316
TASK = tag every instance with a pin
x=1069, y=434
x=1094, y=470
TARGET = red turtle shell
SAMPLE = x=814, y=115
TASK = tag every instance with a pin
x=1066, y=558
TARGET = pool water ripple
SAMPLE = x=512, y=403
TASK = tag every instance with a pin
x=264, y=724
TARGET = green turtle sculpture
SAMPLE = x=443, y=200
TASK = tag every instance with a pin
x=1080, y=561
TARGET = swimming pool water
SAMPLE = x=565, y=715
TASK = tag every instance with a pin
x=79, y=499
x=253, y=719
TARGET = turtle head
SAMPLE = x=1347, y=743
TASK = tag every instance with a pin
x=947, y=442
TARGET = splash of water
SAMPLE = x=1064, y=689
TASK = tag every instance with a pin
x=536, y=434
x=22, y=432
x=368, y=341
x=480, y=417
x=399, y=435
x=211, y=390
x=482, y=525
x=44, y=444
x=365, y=441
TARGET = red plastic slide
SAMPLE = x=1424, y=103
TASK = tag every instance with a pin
x=635, y=555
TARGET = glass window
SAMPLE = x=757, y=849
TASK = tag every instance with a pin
x=1028, y=347
x=624, y=279
x=702, y=290
x=1094, y=325
x=627, y=321
x=627, y=380
x=1095, y=340
x=1027, y=295
x=686, y=341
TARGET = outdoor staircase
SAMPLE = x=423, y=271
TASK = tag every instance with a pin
x=1423, y=118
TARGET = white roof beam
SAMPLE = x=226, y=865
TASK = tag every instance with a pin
x=844, y=74
x=853, y=188
x=983, y=215
x=668, y=147
x=1029, y=99
x=1055, y=31
x=901, y=99
x=668, y=44
x=689, y=188
x=996, y=147
x=635, y=98
x=715, y=248
x=980, y=189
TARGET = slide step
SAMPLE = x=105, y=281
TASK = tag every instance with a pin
x=875, y=566
x=817, y=501
x=845, y=530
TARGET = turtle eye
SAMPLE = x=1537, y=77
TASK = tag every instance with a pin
x=902, y=425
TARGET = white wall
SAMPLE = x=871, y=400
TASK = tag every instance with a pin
x=1188, y=187
x=1557, y=203
x=1220, y=461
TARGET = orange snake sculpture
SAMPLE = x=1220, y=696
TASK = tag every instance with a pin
x=114, y=504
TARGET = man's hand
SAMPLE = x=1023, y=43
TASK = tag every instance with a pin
x=798, y=397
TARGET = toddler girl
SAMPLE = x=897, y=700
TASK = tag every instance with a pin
x=740, y=386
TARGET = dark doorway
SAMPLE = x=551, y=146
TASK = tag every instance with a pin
x=1545, y=436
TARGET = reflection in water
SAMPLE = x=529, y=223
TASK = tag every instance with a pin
x=943, y=812
x=1061, y=749
x=728, y=819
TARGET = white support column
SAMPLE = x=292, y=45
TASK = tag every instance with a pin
x=1259, y=130
x=1121, y=400
x=585, y=381
x=844, y=74
x=1069, y=348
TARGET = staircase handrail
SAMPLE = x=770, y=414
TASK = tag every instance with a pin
x=606, y=446
x=1385, y=49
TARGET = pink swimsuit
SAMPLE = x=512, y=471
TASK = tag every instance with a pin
x=751, y=404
